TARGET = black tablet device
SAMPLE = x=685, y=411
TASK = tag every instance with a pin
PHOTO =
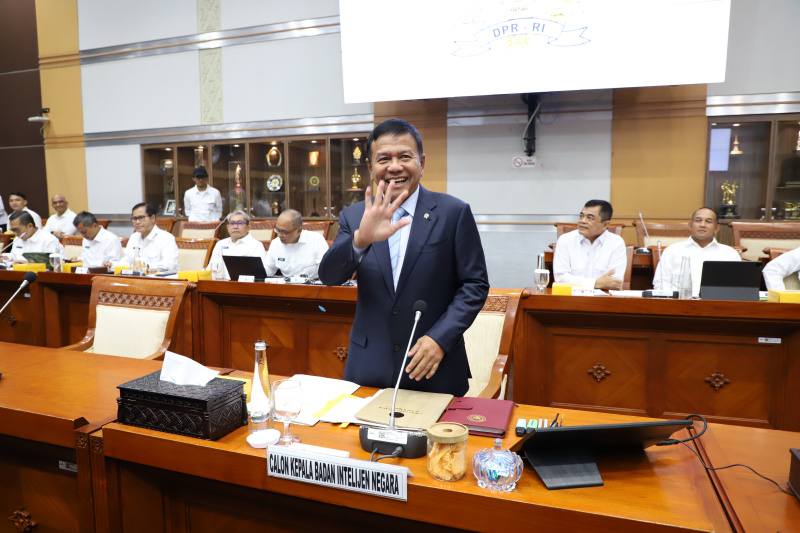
x=730, y=280
x=244, y=266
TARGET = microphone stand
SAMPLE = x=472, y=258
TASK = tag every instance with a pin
x=643, y=249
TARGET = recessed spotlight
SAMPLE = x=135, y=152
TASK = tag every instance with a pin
x=735, y=125
x=236, y=146
x=313, y=142
x=274, y=143
x=168, y=149
x=355, y=139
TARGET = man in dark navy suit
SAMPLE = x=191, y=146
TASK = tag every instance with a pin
x=408, y=244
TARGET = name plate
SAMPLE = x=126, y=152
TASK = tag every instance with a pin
x=247, y=279
x=582, y=291
x=81, y=270
x=356, y=475
x=128, y=272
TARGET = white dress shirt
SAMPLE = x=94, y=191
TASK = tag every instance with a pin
x=37, y=220
x=158, y=250
x=105, y=246
x=782, y=266
x=3, y=214
x=669, y=267
x=301, y=257
x=247, y=246
x=577, y=260
x=205, y=206
x=41, y=241
x=62, y=223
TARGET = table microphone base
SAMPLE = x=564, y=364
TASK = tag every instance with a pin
x=385, y=441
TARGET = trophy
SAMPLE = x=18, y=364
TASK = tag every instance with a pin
x=729, y=205
x=356, y=179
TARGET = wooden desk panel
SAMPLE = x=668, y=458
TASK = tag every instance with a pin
x=753, y=503
x=661, y=358
x=20, y=322
x=664, y=489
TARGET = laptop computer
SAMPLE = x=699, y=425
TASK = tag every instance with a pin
x=730, y=280
x=244, y=266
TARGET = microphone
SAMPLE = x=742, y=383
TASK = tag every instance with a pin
x=224, y=220
x=400, y=443
x=643, y=249
x=29, y=278
x=12, y=243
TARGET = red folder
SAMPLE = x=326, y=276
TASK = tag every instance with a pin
x=483, y=416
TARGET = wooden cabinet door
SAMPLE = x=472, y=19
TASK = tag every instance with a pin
x=328, y=341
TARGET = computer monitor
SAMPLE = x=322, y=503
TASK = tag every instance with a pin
x=244, y=266
x=564, y=457
x=730, y=280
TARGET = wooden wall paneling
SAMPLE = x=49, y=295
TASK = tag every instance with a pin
x=209, y=351
x=328, y=341
x=66, y=318
x=743, y=369
x=598, y=369
x=790, y=419
x=183, y=337
x=31, y=479
x=281, y=331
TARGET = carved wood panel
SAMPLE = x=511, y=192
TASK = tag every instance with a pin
x=576, y=352
x=328, y=340
x=751, y=369
x=284, y=333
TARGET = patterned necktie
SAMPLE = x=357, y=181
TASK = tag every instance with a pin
x=394, y=244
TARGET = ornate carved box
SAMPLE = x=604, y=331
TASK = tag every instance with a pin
x=206, y=412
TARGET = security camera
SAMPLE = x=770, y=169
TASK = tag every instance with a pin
x=39, y=119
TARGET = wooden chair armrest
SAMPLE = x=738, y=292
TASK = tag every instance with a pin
x=740, y=249
x=84, y=343
x=492, y=389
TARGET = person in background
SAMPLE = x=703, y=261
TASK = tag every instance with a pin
x=239, y=244
x=591, y=256
x=30, y=238
x=19, y=202
x=782, y=266
x=202, y=203
x=150, y=244
x=700, y=247
x=3, y=216
x=100, y=246
x=296, y=252
x=60, y=224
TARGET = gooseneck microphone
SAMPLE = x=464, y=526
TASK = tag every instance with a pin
x=643, y=249
x=9, y=245
x=397, y=443
x=29, y=278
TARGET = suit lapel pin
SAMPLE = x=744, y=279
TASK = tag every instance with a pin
x=426, y=216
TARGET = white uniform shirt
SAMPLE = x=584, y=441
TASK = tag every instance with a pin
x=669, y=267
x=577, y=260
x=158, y=250
x=302, y=257
x=37, y=220
x=205, y=206
x=105, y=246
x=3, y=214
x=62, y=223
x=41, y=241
x=247, y=246
x=784, y=265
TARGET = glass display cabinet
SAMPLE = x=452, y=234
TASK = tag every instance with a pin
x=319, y=176
x=754, y=168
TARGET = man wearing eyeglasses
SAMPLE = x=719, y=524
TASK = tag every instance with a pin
x=239, y=244
x=202, y=203
x=154, y=247
x=296, y=252
x=29, y=238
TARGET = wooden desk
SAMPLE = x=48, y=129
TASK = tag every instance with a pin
x=21, y=321
x=172, y=483
x=661, y=358
x=753, y=504
x=50, y=400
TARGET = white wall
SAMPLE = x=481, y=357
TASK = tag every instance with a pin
x=763, y=48
x=144, y=93
x=103, y=23
x=246, y=13
x=113, y=178
x=285, y=79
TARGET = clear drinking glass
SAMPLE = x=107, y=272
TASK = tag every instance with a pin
x=217, y=271
x=57, y=262
x=287, y=401
x=541, y=277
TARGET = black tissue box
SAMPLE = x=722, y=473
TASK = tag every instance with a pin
x=206, y=412
x=794, y=471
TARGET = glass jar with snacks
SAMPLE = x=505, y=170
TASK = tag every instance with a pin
x=447, y=451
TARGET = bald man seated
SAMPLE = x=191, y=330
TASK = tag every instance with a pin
x=62, y=223
x=296, y=252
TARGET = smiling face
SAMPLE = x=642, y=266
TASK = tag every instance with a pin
x=703, y=226
x=395, y=159
x=17, y=203
x=60, y=204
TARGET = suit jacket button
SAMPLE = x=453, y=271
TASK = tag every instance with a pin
x=395, y=310
x=396, y=347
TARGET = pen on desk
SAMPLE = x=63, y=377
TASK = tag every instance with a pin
x=554, y=423
x=541, y=423
x=546, y=423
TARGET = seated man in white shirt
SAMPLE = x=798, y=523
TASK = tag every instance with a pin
x=100, y=246
x=700, y=247
x=3, y=216
x=19, y=202
x=591, y=255
x=61, y=223
x=202, y=203
x=239, y=244
x=296, y=252
x=781, y=267
x=153, y=246
x=30, y=238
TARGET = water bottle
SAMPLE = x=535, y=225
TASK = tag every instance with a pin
x=261, y=380
x=685, y=279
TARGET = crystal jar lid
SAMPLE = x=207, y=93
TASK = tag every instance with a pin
x=448, y=432
x=496, y=468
